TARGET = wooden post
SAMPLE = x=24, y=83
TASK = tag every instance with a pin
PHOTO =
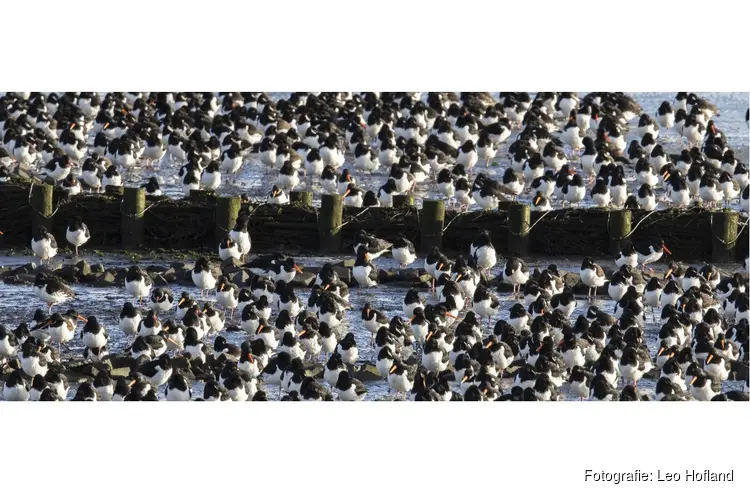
x=195, y=195
x=724, y=226
x=620, y=223
x=41, y=204
x=431, y=225
x=227, y=209
x=329, y=222
x=403, y=200
x=114, y=190
x=519, y=239
x=133, y=206
x=304, y=198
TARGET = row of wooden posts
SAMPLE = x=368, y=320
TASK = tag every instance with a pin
x=724, y=224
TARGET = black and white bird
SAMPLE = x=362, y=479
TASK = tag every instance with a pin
x=161, y=299
x=203, y=276
x=483, y=251
x=403, y=251
x=138, y=283
x=375, y=246
x=240, y=235
x=44, y=245
x=77, y=233
x=52, y=290
x=592, y=275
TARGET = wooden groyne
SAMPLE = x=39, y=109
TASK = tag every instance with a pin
x=127, y=218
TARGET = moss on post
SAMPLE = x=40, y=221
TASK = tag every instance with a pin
x=620, y=223
x=133, y=208
x=431, y=225
x=403, y=200
x=329, y=223
x=725, y=227
x=41, y=204
x=519, y=239
x=227, y=209
x=303, y=198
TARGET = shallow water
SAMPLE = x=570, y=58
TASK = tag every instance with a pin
x=18, y=303
x=255, y=179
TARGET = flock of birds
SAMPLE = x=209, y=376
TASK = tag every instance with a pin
x=558, y=143
x=438, y=350
x=443, y=349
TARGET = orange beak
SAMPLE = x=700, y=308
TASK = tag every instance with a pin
x=693, y=381
x=536, y=200
x=451, y=316
x=661, y=350
x=429, y=334
x=669, y=271
x=221, y=287
x=297, y=268
x=132, y=383
x=458, y=277
x=72, y=125
x=82, y=318
x=466, y=377
x=1, y=232
x=709, y=276
x=260, y=327
x=106, y=126
x=440, y=267
x=489, y=344
x=181, y=301
x=250, y=357
x=411, y=319
x=169, y=339
x=393, y=369
x=709, y=358
x=666, y=249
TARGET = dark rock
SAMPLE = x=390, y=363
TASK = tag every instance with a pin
x=67, y=273
x=20, y=279
x=240, y=277
x=231, y=265
x=170, y=275
x=385, y=276
x=345, y=273
x=408, y=274
x=28, y=268
x=180, y=266
x=82, y=268
x=106, y=279
x=97, y=268
x=366, y=372
x=156, y=269
x=303, y=279
x=120, y=361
